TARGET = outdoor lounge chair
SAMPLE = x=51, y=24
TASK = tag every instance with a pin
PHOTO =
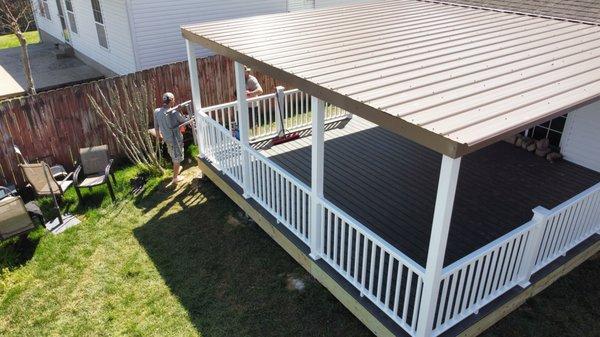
x=14, y=218
x=58, y=171
x=94, y=169
x=43, y=183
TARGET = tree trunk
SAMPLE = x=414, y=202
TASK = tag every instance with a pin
x=25, y=62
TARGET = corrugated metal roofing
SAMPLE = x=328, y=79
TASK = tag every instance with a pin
x=576, y=10
x=451, y=78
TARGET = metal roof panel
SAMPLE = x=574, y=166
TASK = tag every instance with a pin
x=451, y=78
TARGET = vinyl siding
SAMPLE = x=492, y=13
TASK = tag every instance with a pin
x=156, y=24
x=580, y=142
x=51, y=26
x=298, y=5
x=119, y=56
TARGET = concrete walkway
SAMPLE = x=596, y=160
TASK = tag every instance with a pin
x=48, y=71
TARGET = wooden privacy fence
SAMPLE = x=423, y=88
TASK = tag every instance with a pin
x=53, y=125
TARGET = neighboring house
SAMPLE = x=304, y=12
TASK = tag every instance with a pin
x=123, y=36
x=409, y=208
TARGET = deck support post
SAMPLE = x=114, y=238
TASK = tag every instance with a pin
x=280, y=109
x=196, y=100
x=540, y=215
x=244, y=127
x=440, y=227
x=317, y=169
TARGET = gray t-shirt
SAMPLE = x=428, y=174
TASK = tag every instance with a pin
x=252, y=83
x=168, y=124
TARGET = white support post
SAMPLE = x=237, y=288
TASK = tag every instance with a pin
x=438, y=240
x=196, y=101
x=244, y=126
x=280, y=109
x=317, y=169
x=540, y=217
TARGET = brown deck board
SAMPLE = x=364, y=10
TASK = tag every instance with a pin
x=389, y=183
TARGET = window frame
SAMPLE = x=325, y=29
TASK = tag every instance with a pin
x=71, y=17
x=44, y=9
x=98, y=13
x=552, y=126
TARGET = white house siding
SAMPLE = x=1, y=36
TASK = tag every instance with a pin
x=51, y=26
x=580, y=142
x=156, y=24
x=298, y=5
x=118, y=58
x=329, y=3
x=119, y=55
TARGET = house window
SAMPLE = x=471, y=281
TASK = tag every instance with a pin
x=100, y=28
x=71, y=16
x=552, y=130
x=43, y=7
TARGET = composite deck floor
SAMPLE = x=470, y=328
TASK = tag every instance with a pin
x=389, y=184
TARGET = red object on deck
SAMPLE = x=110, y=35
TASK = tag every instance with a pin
x=285, y=138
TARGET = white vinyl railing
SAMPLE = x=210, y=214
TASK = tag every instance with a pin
x=280, y=193
x=567, y=225
x=264, y=117
x=484, y=275
x=381, y=273
x=391, y=280
x=221, y=148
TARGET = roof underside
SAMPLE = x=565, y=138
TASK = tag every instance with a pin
x=451, y=78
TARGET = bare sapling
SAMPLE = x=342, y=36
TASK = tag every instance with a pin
x=125, y=108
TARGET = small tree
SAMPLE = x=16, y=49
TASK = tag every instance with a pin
x=125, y=109
x=17, y=16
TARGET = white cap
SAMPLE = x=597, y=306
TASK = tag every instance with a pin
x=168, y=97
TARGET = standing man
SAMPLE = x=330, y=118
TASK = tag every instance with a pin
x=166, y=124
x=253, y=88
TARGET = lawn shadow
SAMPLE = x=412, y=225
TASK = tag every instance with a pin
x=16, y=252
x=229, y=275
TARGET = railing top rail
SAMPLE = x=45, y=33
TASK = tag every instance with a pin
x=219, y=106
x=305, y=188
x=260, y=98
x=407, y=261
x=565, y=204
x=461, y=263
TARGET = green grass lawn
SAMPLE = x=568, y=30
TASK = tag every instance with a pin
x=184, y=262
x=11, y=41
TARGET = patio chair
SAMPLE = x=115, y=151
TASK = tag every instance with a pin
x=58, y=171
x=94, y=169
x=43, y=183
x=14, y=218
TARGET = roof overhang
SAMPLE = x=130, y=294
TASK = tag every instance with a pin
x=453, y=79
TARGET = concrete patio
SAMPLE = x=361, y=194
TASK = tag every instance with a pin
x=48, y=71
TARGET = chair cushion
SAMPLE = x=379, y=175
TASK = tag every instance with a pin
x=93, y=180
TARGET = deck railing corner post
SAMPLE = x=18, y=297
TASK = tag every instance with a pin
x=244, y=127
x=279, y=106
x=196, y=98
x=316, y=210
x=540, y=217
